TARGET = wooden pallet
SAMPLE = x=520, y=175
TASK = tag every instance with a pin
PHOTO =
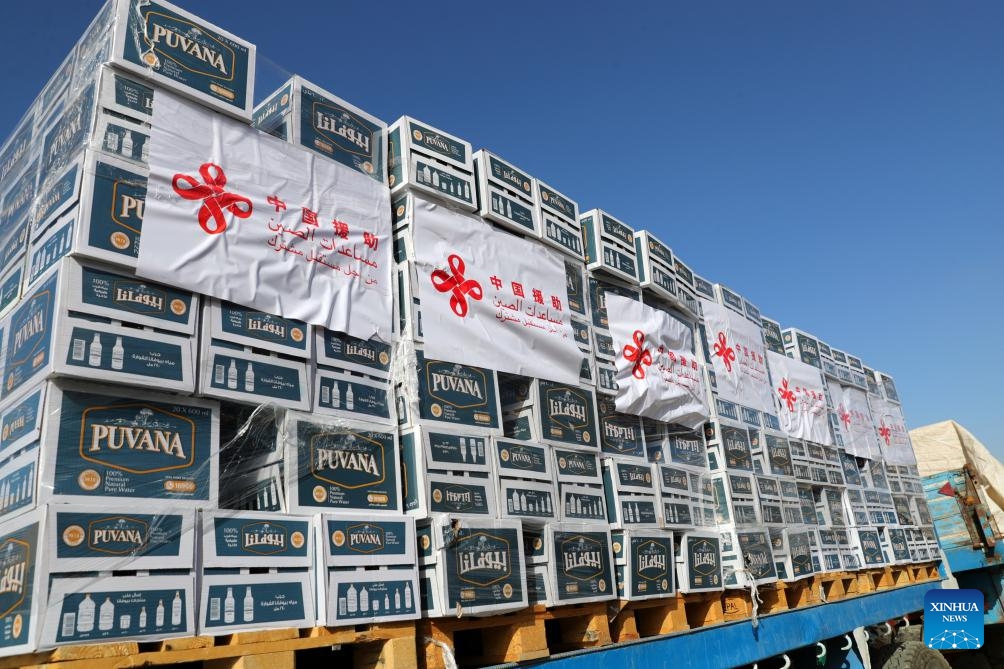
x=515, y=637
x=653, y=617
x=386, y=646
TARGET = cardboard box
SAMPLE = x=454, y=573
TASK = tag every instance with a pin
x=445, y=449
x=538, y=587
x=15, y=208
x=516, y=392
x=63, y=327
x=159, y=607
x=515, y=459
x=250, y=370
x=576, y=467
x=426, y=491
x=802, y=346
x=728, y=445
x=575, y=283
x=24, y=598
x=598, y=289
x=699, y=561
x=791, y=502
x=778, y=454
x=680, y=447
x=349, y=541
x=559, y=221
x=769, y=495
x=794, y=559
x=682, y=496
x=455, y=394
x=630, y=491
x=582, y=503
x=867, y=542
x=427, y=160
x=238, y=602
x=729, y=299
x=609, y=246
x=18, y=483
x=735, y=499
x=603, y=346
x=480, y=569
x=534, y=549
x=353, y=397
x=357, y=596
x=748, y=561
x=175, y=49
x=644, y=562
x=343, y=352
x=533, y=502
x=620, y=434
x=772, y=338
x=506, y=195
x=104, y=538
x=233, y=323
x=158, y=448
x=521, y=426
x=888, y=386
x=703, y=288
x=580, y=568
x=895, y=544
x=872, y=382
x=656, y=268
x=261, y=488
x=689, y=301
x=49, y=608
x=302, y=113
x=566, y=415
x=752, y=313
x=606, y=378
x=16, y=154
x=338, y=465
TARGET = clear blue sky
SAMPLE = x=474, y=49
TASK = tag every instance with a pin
x=840, y=164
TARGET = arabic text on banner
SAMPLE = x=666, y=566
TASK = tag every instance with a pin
x=893, y=437
x=492, y=299
x=658, y=375
x=856, y=419
x=799, y=398
x=738, y=357
x=245, y=217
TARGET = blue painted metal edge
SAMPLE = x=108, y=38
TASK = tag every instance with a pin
x=737, y=643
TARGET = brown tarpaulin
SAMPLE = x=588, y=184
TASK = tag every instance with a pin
x=948, y=445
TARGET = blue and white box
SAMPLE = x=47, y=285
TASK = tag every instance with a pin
x=305, y=114
x=427, y=160
x=506, y=195
x=80, y=321
x=279, y=593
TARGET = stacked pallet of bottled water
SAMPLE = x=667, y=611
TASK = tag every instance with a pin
x=360, y=480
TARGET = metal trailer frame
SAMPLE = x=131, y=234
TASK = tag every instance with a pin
x=739, y=643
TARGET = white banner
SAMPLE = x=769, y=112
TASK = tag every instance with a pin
x=800, y=400
x=657, y=375
x=738, y=357
x=856, y=418
x=892, y=433
x=245, y=217
x=492, y=299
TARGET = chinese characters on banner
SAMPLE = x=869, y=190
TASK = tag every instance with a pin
x=738, y=357
x=892, y=433
x=798, y=395
x=658, y=376
x=491, y=299
x=856, y=419
x=245, y=217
